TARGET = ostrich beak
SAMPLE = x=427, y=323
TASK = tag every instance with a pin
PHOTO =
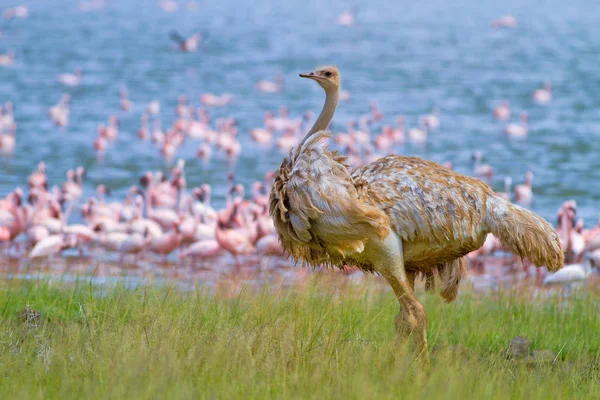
x=311, y=75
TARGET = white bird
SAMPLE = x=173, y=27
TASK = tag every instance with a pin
x=571, y=273
x=418, y=135
x=346, y=18
x=153, y=107
x=506, y=21
x=432, y=121
x=70, y=80
x=518, y=131
x=543, y=95
x=8, y=58
x=524, y=191
x=52, y=244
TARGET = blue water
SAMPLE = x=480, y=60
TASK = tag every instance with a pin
x=408, y=56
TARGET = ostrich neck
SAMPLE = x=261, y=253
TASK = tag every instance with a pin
x=331, y=99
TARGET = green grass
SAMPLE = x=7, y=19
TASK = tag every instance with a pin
x=317, y=341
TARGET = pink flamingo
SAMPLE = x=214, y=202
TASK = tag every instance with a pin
x=236, y=241
x=52, y=245
x=507, y=184
x=135, y=244
x=269, y=246
x=418, y=135
x=38, y=178
x=432, y=121
x=100, y=144
x=202, y=249
x=153, y=107
x=346, y=18
x=518, y=131
x=16, y=12
x=362, y=137
x=345, y=95
x=124, y=102
x=111, y=130
x=158, y=136
x=523, y=192
x=506, y=21
x=590, y=235
x=376, y=113
x=204, y=152
x=288, y=141
x=8, y=141
x=502, y=111
x=399, y=130
x=261, y=135
x=70, y=79
x=59, y=113
x=212, y=100
x=182, y=110
x=166, y=243
x=36, y=234
x=143, y=133
x=7, y=59
x=482, y=170
x=543, y=95
x=275, y=86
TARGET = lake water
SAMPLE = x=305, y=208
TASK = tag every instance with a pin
x=407, y=56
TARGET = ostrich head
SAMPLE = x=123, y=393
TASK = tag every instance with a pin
x=327, y=77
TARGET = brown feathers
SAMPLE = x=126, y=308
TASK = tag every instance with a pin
x=526, y=234
x=316, y=207
x=327, y=215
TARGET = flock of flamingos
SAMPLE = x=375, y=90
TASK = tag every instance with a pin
x=162, y=216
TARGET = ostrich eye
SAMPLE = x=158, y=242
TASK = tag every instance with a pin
x=328, y=74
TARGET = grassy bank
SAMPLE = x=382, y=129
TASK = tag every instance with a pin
x=320, y=341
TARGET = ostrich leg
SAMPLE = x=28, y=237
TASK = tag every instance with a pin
x=412, y=319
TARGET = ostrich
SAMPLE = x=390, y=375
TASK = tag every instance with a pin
x=400, y=217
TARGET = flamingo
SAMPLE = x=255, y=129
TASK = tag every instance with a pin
x=261, y=136
x=16, y=12
x=52, y=245
x=571, y=273
x=482, y=170
x=212, y=100
x=346, y=18
x=153, y=107
x=169, y=5
x=418, y=135
x=124, y=102
x=518, y=131
x=189, y=44
x=8, y=141
x=543, y=95
x=236, y=241
x=269, y=246
x=523, y=192
x=202, y=249
x=70, y=79
x=502, y=111
x=8, y=58
x=506, y=21
x=167, y=242
x=432, y=121
x=507, y=184
x=274, y=86
x=286, y=142
x=59, y=113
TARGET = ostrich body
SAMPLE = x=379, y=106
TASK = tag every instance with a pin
x=398, y=216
